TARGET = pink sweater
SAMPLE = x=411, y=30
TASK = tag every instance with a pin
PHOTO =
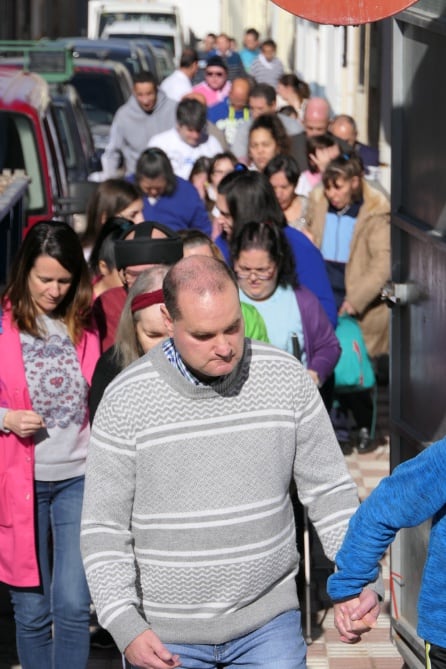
x=18, y=559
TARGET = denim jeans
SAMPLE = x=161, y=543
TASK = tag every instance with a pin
x=52, y=620
x=277, y=645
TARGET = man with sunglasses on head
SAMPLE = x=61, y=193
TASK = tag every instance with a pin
x=215, y=86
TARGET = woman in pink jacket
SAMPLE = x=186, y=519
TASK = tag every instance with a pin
x=48, y=352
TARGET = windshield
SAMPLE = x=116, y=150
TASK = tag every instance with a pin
x=167, y=19
x=166, y=41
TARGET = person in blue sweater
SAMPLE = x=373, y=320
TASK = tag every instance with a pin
x=248, y=196
x=414, y=492
x=168, y=199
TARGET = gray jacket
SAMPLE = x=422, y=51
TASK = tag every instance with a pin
x=132, y=129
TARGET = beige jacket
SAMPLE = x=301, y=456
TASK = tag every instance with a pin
x=368, y=267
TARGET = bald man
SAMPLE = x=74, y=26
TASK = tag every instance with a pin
x=188, y=532
x=229, y=113
x=344, y=128
x=315, y=122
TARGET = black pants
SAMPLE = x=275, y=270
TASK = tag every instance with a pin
x=435, y=656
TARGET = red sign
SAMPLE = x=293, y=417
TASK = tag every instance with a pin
x=344, y=12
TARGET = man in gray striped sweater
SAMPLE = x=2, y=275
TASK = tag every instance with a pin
x=188, y=532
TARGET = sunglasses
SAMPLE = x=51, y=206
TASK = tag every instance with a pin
x=214, y=74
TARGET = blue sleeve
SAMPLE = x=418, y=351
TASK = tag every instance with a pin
x=311, y=271
x=197, y=216
x=414, y=492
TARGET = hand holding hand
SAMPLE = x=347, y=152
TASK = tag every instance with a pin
x=147, y=652
x=357, y=615
x=22, y=422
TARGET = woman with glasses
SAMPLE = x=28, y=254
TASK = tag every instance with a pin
x=294, y=318
x=248, y=196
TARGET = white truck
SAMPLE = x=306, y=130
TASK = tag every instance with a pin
x=137, y=19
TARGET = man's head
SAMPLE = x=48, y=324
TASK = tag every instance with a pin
x=269, y=49
x=209, y=42
x=145, y=90
x=239, y=94
x=216, y=73
x=262, y=100
x=344, y=127
x=251, y=39
x=203, y=316
x=189, y=62
x=191, y=121
x=223, y=43
x=316, y=117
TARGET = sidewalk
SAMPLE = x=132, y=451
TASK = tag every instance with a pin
x=375, y=651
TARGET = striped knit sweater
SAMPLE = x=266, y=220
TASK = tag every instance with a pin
x=188, y=528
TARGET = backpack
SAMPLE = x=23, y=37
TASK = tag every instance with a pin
x=354, y=368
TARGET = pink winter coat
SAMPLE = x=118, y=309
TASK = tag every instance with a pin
x=18, y=559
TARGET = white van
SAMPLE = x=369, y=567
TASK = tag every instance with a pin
x=137, y=19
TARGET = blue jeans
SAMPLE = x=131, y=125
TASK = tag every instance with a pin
x=277, y=645
x=62, y=600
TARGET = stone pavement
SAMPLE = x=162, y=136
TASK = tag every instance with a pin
x=375, y=651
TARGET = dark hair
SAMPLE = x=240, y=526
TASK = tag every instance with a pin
x=145, y=77
x=250, y=197
x=59, y=241
x=324, y=141
x=270, y=238
x=225, y=155
x=252, y=31
x=289, y=110
x=344, y=167
x=192, y=238
x=201, y=165
x=192, y=114
x=188, y=57
x=110, y=198
x=300, y=87
x=104, y=247
x=272, y=124
x=154, y=163
x=264, y=91
x=285, y=164
x=269, y=42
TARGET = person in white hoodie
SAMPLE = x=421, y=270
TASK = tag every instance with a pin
x=146, y=113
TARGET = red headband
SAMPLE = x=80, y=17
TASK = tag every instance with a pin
x=147, y=299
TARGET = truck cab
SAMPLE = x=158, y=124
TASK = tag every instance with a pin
x=137, y=19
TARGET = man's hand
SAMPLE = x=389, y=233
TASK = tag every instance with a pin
x=23, y=423
x=356, y=616
x=147, y=652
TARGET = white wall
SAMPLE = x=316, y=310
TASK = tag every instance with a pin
x=201, y=17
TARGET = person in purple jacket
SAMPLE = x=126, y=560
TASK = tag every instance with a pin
x=248, y=196
x=294, y=317
x=168, y=199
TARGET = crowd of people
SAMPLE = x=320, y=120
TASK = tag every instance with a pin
x=187, y=342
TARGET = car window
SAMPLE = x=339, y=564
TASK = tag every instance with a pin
x=100, y=94
x=16, y=133
x=65, y=135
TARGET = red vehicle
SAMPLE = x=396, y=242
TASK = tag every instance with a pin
x=29, y=143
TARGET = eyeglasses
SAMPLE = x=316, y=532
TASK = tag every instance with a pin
x=214, y=74
x=261, y=276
